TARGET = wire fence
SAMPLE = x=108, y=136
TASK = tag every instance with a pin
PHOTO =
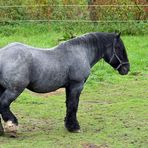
x=78, y=21
x=13, y=6
x=125, y=18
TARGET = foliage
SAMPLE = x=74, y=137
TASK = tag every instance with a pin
x=51, y=10
x=117, y=12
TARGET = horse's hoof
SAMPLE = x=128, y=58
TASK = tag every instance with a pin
x=12, y=134
x=1, y=133
x=11, y=129
x=74, y=131
x=77, y=131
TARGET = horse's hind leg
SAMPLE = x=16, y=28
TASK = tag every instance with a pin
x=10, y=120
x=73, y=92
x=1, y=127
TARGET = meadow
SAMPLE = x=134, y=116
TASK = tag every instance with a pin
x=113, y=109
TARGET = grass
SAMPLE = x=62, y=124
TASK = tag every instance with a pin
x=113, y=110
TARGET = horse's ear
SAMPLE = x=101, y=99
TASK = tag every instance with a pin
x=118, y=35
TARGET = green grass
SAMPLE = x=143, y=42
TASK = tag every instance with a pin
x=113, y=110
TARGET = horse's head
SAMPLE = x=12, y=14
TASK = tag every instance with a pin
x=116, y=56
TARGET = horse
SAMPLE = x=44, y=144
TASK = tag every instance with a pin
x=67, y=65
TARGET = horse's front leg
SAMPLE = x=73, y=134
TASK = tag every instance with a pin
x=73, y=92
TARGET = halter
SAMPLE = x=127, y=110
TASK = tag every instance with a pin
x=115, y=55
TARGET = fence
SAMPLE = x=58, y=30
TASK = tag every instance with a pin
x=102, y=16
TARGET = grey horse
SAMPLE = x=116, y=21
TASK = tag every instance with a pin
x=67, y=65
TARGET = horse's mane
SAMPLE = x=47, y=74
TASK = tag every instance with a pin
x=93, y=39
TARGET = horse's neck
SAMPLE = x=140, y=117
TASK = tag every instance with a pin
x=95, y=53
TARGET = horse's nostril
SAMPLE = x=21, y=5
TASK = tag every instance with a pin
x=124, y=70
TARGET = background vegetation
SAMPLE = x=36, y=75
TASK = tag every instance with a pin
x=85, y=9
x=128, y=16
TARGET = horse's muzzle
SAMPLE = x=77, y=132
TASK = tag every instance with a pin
x=124, y=70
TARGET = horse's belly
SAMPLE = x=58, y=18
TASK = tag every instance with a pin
x=42, y=90
x=46, y=86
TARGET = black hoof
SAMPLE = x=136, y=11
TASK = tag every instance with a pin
x=72, y=126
